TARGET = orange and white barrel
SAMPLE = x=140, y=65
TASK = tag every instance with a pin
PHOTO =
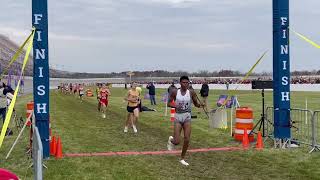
x=244, y=120
x=30, y=106
x=89, y=93
x=172, y=113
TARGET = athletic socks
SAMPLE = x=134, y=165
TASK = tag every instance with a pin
x=170, y=145
x=134, y=129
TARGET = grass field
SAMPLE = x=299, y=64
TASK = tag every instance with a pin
x=83, y=130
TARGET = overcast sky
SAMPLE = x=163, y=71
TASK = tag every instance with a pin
x=190, y=35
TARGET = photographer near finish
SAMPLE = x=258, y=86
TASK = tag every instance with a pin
x=152, y=93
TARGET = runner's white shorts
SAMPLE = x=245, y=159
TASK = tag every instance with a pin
x=182, y=117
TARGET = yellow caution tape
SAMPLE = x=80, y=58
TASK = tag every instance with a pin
x=306, y=39
x=16, y=55
x=252, y=68
x=232, y=92
x=13, y=102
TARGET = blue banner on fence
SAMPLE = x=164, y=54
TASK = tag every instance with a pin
x=41, y=71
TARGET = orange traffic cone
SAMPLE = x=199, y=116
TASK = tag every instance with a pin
x=245, y=140
x=172, y=115
x=259, y=145
x=53, y=146
x=59, y=149
x=172, y=102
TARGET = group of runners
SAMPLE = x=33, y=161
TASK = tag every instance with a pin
x=181, y=99
x=75, y=88
x=102, y=94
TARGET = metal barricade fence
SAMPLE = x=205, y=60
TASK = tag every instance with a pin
x=269, y=128
x=301, y=124
x=316, y=127
x=37, y=154
x=301, y=121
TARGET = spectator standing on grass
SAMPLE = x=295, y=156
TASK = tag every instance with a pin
x=22, y=86
x=171, y=88
x=152, y=93
x=3, y=102
x=6, y=95
x=204, y=92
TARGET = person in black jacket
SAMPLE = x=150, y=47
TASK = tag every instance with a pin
x=152, y=93
x=204, y=92
x=171, y=88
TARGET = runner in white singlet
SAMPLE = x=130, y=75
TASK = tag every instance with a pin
x=183, y=98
